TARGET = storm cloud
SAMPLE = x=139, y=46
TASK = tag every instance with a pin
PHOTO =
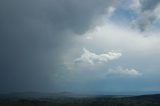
x=34, y=34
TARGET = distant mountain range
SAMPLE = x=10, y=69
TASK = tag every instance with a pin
x=39, y=95
x=71, y=94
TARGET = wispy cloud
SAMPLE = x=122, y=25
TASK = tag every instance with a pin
x=120, y=71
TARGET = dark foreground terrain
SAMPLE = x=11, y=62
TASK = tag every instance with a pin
x=146, y=100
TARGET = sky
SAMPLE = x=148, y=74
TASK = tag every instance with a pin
x=86, y=46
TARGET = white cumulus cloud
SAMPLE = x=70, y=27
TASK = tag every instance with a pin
x=92, y=58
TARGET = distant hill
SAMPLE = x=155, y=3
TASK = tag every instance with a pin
x=147, y=97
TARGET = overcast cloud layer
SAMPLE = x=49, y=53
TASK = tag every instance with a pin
x=79, y=45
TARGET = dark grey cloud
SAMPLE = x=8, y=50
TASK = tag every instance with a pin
x=149, y=4
x=33, y=36
x=147, y=13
